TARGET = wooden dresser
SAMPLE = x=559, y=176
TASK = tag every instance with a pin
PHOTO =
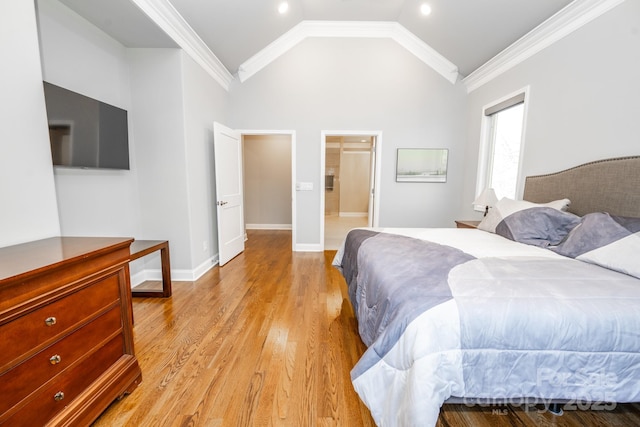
x=66, y=340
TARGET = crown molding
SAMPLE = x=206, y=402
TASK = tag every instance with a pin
x=171, y=22
x=361, y=29
x=563, y=23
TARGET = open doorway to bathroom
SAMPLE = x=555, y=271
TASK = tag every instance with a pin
x=349, y=185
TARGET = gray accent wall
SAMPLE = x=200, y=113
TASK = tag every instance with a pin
x=583, y=103
x=360, y=84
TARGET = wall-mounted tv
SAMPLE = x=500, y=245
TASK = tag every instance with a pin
x=84, y=132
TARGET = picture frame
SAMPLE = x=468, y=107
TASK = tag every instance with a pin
x=422, y=165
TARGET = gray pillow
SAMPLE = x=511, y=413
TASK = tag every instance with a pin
x=538, y=226
x=609, y=241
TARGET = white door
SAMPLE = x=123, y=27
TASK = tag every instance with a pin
x=228, y=161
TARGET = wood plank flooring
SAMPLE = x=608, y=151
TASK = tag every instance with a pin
x=269, y=340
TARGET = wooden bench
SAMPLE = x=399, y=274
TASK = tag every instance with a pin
x=140, y=248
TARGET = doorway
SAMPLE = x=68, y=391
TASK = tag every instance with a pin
x=268, y=181
x=350, y=176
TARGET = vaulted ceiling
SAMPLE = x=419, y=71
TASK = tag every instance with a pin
x=467, y=33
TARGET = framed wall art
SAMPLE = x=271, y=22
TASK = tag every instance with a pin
x=422, y=165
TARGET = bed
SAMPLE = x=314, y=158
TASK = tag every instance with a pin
x=539, y=306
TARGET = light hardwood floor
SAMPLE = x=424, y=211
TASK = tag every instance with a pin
x=269, y=340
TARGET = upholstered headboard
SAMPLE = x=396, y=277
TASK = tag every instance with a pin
x=611, y=185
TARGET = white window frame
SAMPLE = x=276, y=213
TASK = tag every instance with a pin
x=484, y=157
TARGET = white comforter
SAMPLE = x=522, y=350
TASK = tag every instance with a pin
x=523, y=322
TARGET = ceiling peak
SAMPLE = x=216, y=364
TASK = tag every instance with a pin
x=362, y=29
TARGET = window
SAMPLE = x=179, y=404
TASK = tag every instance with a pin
x=502, y=147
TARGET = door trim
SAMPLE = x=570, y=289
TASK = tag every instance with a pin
x=377, y=150
x=292, y=135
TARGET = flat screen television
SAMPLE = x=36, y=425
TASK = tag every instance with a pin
x=84, y=132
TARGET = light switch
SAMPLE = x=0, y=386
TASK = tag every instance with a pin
x=304, y=186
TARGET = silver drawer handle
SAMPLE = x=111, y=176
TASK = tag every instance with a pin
x=58, y=396
x=55, y=359
x=50, y=321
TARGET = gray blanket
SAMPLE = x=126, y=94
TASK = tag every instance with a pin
x=387, y=299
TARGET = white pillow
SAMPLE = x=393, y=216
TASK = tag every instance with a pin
x=506, y=207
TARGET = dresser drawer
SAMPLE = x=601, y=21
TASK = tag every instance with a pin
x=54, y=397
x=66, y=297
x=43, y=326
x=17, y=383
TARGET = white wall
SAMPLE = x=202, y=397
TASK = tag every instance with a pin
x=583, y=106
x=355, y=84
x=172, y=102
x=79, y=57
x=158, y=128
x=28, y=209
x=583, y=103
x=205, y=101
x=175, y=105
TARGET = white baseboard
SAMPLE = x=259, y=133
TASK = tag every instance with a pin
x=308, y=247
x=176, y=275
x=139, y=277
x=354, y=214
x=207, y=265
x=268, y=226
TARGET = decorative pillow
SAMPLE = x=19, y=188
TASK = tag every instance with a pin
x=538, y=226
x=606, y=240
x=506, y=207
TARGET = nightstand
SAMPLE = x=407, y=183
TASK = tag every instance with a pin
x=467, y=224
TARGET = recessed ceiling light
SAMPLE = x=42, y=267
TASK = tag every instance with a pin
x=284, y=6
x=425, y=9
